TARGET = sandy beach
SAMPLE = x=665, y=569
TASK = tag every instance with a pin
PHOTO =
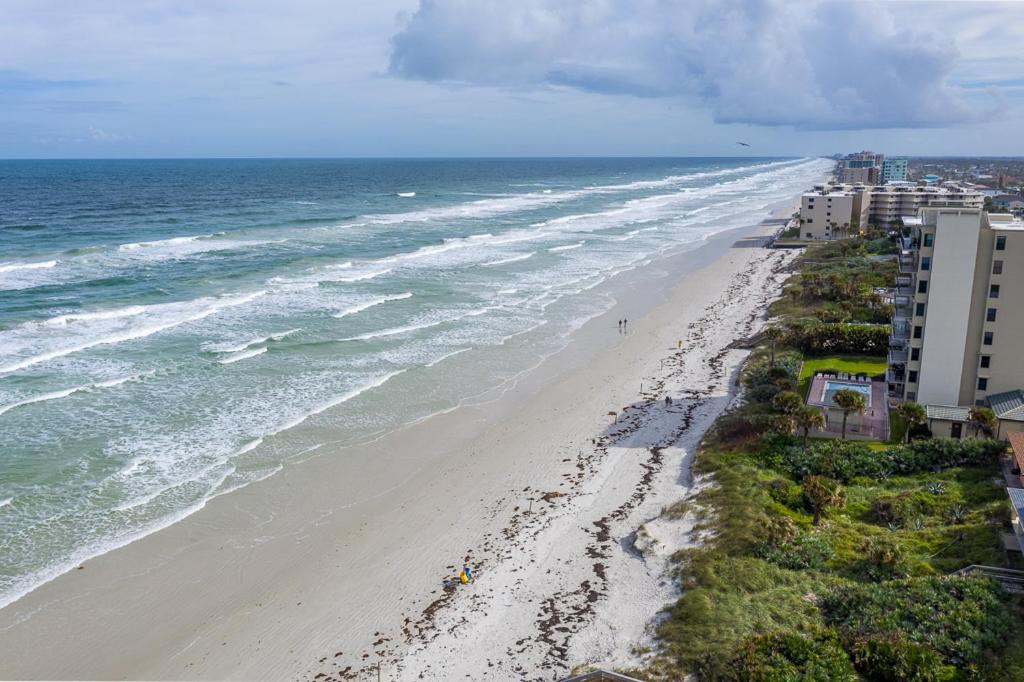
x=347, y=560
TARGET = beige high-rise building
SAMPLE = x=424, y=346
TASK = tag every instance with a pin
x=833, y=212
x=958, y=329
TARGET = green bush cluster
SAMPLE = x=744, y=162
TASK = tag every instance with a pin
x=847, y=460
x=960, y=618
x=789, y=656
x=828, y=338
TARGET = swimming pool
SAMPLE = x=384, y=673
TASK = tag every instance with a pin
x=832, y=387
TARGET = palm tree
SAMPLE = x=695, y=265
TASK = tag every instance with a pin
x=849, y=401
x=787, y=402
x=822, y=492
x=774, y=335
x=913, y=415
x=982, y=419
x=808, y=418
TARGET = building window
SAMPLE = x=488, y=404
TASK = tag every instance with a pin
x=929, y=238
x=828, y=213
x=917, y=331
x=810, y=220
x=922, y=286
x=1001, y=243
x=912, y=376
x=990, y=315
x=810, y=234
x=926, y=263
x=987, y=341
x=986, y=361
x=919, y=309
x=982, y=383
x=915, y=354
x=997, y=267
x=993, y=291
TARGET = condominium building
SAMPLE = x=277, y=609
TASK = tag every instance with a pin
x=889, y=203
x=894, y=169
x=959, y=322
x=839, y=210
x=833, y=212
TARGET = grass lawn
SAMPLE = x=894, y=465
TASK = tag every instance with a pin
x=854, y=364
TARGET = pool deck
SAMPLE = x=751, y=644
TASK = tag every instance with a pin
x=872, y=425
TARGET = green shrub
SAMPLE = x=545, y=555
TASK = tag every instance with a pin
x=786, y=656
x=805, y=551
x=832, y=338
x=895, y=659
x=960, y=618
x=845, y=460
x=883, y=559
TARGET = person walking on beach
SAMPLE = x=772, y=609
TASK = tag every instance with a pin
x=467, y=574
x=620, y=325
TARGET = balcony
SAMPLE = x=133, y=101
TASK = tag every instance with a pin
x=900, y=337
x=904, y=280
x=908, y=265
x=899, y=356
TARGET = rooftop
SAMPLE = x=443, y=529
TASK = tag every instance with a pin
x=950, y=413
x=1014, y=225
x=1008, y=405
x=1017, y=499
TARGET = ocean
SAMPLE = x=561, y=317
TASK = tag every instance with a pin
x=172, y=330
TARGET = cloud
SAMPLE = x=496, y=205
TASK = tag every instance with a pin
x=16, y=82
x=812, y=65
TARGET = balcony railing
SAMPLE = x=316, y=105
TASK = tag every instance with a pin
x=899, y=356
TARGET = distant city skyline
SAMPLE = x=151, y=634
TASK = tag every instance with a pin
x=408, y=78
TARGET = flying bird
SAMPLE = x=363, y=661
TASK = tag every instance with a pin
x=743, y=144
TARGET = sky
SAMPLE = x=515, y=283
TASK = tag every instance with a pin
x=402, y=78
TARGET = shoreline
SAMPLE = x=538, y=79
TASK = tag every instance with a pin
x=257, y=565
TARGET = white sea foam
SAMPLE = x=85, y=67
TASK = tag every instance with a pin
x=111, y=314
x=56, y=395
x=406, y=194
x=444, y=357
x=154, y=319
x=6, y=501
x=174, y=241
x=360, y=277
x=235, y=348
x=243, y=355
x=567, y=247
x=334, y=402
x=510, y=259
x=360, y=307
x=14, y=267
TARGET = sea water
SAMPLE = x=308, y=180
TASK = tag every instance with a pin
x=173, y=330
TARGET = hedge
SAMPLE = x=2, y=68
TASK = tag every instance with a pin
x=846, y=460
x=838, y=337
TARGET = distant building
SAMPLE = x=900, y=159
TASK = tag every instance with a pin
x=1008, y=202
x=959, y=320
x=862, y=167
x=894, y=169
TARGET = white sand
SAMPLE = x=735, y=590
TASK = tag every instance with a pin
x=340, y=562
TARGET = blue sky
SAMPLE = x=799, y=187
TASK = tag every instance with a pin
x=158, y=78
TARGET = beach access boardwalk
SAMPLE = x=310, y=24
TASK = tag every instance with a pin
x=600, y=676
